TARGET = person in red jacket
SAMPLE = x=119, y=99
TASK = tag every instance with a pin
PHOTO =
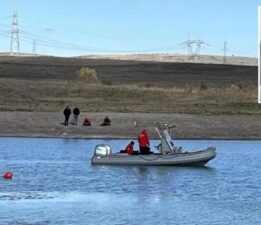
x=129, y=149
x=144, y=142
x=87, y=122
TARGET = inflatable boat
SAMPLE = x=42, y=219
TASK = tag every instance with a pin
x=168, y=155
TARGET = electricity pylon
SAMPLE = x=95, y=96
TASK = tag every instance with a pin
x=194, y=47
x=225, y=49
x=15, y=44
x=34, y=47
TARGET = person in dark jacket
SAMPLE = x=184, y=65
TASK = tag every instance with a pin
x=76, y=113
x=67, y=113
x=106, y=121
x=144, y=142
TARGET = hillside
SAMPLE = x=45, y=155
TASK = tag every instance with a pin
x=128, y=72
x=50, y=83
x=207, y=59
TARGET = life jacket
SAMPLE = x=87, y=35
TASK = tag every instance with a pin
x=143, y=139
x=129, y=149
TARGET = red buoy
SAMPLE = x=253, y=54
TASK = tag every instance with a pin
x=8, y=175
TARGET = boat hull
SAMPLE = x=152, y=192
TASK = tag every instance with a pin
x=199, y=158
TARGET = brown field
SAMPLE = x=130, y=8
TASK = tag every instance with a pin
x=50, y=83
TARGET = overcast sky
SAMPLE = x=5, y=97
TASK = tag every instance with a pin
x=81, y=27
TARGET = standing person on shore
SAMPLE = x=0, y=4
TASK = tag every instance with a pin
x=76, y=113
x=67, y=113
x=144, y=142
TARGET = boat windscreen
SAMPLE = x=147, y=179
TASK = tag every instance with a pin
x=168, y=139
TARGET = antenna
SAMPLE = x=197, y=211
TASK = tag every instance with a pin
x=15, y=44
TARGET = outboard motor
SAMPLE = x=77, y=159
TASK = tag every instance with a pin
x=102, y=150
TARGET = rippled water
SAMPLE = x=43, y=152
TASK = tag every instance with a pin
x=54, y=183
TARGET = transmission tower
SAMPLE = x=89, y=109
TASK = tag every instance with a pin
x=15, y=44
x=194, y=47
x=225, y=49
x=34, y=47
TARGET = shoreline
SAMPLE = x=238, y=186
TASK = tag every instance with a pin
x=188, y=126
x=114, y=138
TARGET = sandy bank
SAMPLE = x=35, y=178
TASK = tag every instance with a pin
x=49, y=124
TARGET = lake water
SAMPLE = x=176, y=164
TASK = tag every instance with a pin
x=54, y=183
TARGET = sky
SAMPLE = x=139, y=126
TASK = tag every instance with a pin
x=89, y=27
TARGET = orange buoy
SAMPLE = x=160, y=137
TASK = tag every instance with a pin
x=8, y=175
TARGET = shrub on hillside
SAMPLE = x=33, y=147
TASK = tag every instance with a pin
x=88, y=75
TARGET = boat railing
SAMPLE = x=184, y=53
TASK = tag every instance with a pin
x=163, y=130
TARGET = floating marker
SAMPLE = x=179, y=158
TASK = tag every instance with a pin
x=8, y=175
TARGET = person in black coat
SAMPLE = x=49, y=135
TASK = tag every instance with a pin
x=67, y=113
x=106, y=121
x=76, y=113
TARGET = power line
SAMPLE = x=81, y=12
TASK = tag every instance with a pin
x=18, y=34
x=194, y=46
x=43, y=41
x=27, y=37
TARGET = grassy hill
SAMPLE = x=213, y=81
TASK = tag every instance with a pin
x=49, y=83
